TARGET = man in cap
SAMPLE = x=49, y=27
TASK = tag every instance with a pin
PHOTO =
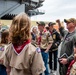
x=66, y=51
x=44, y=41
x=54, y=48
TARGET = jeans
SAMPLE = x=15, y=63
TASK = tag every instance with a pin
x=45, y=59
x=3, y=70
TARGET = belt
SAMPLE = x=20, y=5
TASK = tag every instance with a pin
x=42, y=50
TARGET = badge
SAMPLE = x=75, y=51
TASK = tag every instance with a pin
x=2, y=48
x=68, y=39
x=54, y=36
x=38, y=50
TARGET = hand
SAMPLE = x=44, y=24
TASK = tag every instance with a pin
x=1, y=61
x=55, y=44
x=46, y=51
x=8, y=70
x=63, y=61
x=75, y=57
x=58, y=21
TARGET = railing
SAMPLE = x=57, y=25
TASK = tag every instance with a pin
x=36, y=1
x=41, y=1
x=9, y=10
x=35, y=12
x=10, y=5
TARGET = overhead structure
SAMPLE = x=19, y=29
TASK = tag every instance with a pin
x=10, y=8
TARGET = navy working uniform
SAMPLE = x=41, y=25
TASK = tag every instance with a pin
x=67, y=47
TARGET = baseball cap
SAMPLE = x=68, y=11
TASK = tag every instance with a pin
x=70, y=20
x=41, y=23
x=51, y=23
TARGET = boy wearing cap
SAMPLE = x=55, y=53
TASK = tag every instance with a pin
x=67, y=44
x=44, y=41
x=54, y=48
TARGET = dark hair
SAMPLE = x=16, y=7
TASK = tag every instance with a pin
x=51, y=23
x=4, y=36
x=47, y=28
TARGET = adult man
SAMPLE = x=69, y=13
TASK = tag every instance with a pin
x=45, y=41
x=54, y=48
x=66, y=52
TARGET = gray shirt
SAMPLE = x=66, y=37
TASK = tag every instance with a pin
x=67, y=44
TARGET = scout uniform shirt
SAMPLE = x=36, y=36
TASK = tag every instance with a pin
x=27, y=62
x=44, y=39
x=73, y=69
x=2, y=50
x=2, y=53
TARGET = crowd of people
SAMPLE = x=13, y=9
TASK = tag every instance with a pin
x=25, y=52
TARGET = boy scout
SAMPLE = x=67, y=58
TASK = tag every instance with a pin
x=21, y=57
x=72, y=66
x=45, y=41
x=3, y=45
x=67, y=44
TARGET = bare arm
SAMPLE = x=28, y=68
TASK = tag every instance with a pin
x=59, y=23
x=63, y=32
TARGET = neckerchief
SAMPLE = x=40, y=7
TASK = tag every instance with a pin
x=69, y=68
x=18, y=49
x=39, y=38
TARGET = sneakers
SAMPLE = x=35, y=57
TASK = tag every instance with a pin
x=51, y=71
x=54, y=72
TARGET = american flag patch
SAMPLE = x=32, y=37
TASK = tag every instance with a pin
x=38, y=50
x=2, y=48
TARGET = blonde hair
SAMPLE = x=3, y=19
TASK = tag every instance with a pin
x=20, y=29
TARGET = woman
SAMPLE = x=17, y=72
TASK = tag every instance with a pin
x=22, y=58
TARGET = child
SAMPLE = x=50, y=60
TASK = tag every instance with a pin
x=72, y=66
x=22, y=58
x=3, y=44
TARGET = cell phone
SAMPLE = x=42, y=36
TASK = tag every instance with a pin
x=64, y=56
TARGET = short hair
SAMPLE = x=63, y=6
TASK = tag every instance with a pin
x=20, y=29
